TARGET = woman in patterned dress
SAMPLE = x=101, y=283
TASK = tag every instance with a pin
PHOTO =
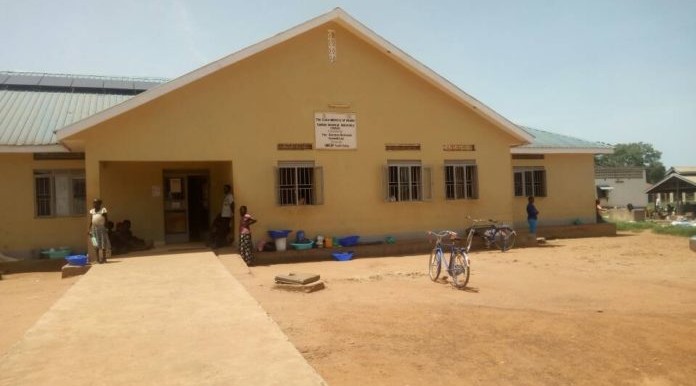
x=98, y=232
x=245, y=245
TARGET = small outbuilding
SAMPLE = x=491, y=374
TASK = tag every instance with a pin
x=621, y=187
x=677, y=189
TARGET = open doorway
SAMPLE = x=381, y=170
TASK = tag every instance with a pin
x=199, y=210
x=186, y=206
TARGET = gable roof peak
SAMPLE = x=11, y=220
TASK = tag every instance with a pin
x=346, y=21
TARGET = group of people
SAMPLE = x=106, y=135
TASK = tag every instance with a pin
x=122, y=238
x=106, y=240
x=103, y=236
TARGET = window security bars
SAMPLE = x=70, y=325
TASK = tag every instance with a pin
x=405, y=183
x=59, y=193
x=530, y=182
x=461, y=181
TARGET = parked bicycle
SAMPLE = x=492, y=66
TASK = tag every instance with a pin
x=502, y=236
x=458, y=265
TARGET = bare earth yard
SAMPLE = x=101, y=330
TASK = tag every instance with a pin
x=619, y=310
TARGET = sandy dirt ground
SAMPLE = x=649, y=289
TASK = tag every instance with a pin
x=24, y=297
x=619, y=310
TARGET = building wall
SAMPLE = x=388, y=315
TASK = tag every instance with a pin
x=241, y=113
x=626, y=190
x=21, y=232
x=231, y=122
x=570, y=190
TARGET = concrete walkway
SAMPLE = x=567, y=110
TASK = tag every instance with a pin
x=176, y=319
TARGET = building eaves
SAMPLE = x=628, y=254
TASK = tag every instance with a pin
x=683, y=170
x=36, y=81
x=33, y=106
x=545, y=142
x=671, y=182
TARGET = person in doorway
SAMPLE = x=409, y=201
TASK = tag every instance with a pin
x=599, y=211
x=532, y=214
x=245, y=245
x=97, y=231
x=226, y=218
x=134, y=243
x=118, y=245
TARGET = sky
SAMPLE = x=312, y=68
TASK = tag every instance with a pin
x=608, y=71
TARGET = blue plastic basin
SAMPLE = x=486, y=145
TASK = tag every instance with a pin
x=279, y=234
x=343, y=256
x=77, y=260
x=349, y=241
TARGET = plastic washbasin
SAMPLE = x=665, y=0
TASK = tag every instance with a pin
x=349, y=241
x=279, y=234
x=308, y=245
x=343, y=256
x=77, y=260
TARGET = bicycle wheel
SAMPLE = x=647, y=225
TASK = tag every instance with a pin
x=460, y=270
x=504, y=238
x=435, y=263
x=469, y=238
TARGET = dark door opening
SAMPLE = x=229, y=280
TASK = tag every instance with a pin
x=198, y=208
x=186, y=209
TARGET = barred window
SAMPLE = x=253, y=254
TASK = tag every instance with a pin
x=59, y=193
x=407, y=181
x=530, y=182
x=299, y=183
x=461, y=180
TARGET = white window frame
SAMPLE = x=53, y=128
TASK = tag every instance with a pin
x=461, y=180
x=299, y=183
x=407, y=181
x=61, y=194
x=529, y=181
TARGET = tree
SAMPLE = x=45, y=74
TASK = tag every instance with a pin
x=635, y=154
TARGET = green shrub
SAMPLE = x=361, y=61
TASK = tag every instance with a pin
x=634, y=226
x=683, y=231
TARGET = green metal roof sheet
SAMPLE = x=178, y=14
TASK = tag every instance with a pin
x=547, y=140
x=31, y=117
x=33, y=105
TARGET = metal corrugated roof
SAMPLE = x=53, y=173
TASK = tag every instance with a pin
x=547, y=140
x=29, y=118
x=674, y=182
x=34, y=105
x=95, y=83
x=683, y=170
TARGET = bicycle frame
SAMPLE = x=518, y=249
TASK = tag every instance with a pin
x=438, y=259
x=489, y=232
x=486, y=235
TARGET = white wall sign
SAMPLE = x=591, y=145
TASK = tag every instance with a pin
x=335, y=131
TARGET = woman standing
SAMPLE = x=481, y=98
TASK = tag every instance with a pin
x=245, y=246
x=532, y=214
x=98, y=232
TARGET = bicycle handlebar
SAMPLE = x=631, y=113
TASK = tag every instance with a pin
x=490, y=220
x=443, y=234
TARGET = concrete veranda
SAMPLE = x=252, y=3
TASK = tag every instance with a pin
x=169, y=319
